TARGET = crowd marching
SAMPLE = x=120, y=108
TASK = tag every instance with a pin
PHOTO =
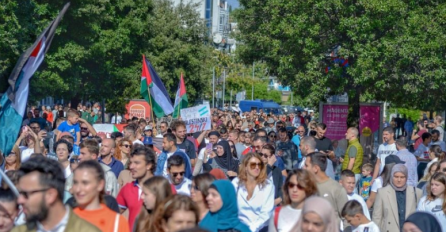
x=251, y=172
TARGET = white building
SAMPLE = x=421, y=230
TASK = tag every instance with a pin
x=216, y=15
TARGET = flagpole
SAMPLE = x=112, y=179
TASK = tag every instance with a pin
x=151, y=108
x=179, y=103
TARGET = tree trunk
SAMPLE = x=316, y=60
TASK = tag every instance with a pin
x=353, y=108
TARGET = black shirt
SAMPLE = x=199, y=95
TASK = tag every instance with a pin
x=188, y=147
x=323, y=144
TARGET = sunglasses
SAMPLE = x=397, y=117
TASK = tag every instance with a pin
x=291, y=186
x=84, y=128
x=254, y=165
x=175, y=174
x=264, y=155
x=126, y=145
x=26, y=194
x=300, y=131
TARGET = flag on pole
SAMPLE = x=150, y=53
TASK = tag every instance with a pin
x=153, y=90
x=13, y=101
x=180, y=99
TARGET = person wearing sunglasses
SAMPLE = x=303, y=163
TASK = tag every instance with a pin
x=41, y=189
x=255, y=193
x=299, y=185
x=272, y=137
x=13, y=159
x=177, y=169
x=86, y=129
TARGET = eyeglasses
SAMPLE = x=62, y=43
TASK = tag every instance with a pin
x=264, y=155
x=126, y=145
x=26, y=194
x=175, y=174
x=84, y=128
x=254, y=165
x=291, y=186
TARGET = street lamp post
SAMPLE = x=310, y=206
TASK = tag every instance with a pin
x=224, y=85
x=213, y=87
x=252, y=92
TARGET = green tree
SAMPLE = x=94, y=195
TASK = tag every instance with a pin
x=394, y=48
x=98, y=49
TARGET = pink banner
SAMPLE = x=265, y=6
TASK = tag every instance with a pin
x=369, y=119
x=335, y=117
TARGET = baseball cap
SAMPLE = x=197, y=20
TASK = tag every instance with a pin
x=147, y=128
x=393, y=159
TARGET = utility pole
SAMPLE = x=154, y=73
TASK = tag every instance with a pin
x=252, y=92
x=213, y=87
x=230, y=101
x=224, y=86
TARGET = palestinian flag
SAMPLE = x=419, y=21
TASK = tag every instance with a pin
x=181, y=98
x=153, y=90
x=13, y=101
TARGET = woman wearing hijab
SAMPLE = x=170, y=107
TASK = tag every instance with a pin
x=317, y=215
x=223, y=160
x=223, y=209
x=421, y=221
x=395, y=202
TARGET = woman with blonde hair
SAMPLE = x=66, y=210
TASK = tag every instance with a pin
x=154, y=191
x=317, y=215
x=177, y=208
x=435, y=200
x=13, y=159
x=255, y=193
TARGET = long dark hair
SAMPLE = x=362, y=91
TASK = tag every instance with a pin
x=160, y=187
x=202, y=182
x=386, y=174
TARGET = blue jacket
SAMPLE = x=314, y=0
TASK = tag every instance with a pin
x=162, y=159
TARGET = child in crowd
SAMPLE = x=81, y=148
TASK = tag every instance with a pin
x=353, y=214
x=348, y=183
x=365, y=183
x=71, y=126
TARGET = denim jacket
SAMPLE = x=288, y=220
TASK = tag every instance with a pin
x=162, y=159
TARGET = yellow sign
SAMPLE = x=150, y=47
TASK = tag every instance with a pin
x=366, y=131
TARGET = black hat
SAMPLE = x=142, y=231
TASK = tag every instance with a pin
x=393, y=159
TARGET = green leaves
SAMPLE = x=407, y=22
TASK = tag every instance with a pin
x=395, y=48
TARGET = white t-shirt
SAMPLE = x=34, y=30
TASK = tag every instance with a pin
x=138, y=142
x=359, y=199
x=184, y=187
x=24, y=156
x=385, y=150
x=369, y=227
x=377, y=184
x=288, y=217
x=434, y=207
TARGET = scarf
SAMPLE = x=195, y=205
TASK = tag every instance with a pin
x=426, y=222
x=398, y=168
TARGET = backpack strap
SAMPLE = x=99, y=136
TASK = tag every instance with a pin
x=276, y=215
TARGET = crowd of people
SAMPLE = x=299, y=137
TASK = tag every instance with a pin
x=251, y=172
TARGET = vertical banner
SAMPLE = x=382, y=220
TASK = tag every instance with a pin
x=369, y=121
x=197, y=118
x=335, y=117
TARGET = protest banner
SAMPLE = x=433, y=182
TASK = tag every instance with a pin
x=197, y=118
x=107, y=129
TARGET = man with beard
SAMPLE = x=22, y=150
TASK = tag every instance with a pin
x=86, y=129
x=41, y=189
x=176, y=168
x=142, y=167
x=184, y=144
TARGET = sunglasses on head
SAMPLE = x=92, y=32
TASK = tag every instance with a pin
x=291, y=186
x=175, y=174
x=254, y=165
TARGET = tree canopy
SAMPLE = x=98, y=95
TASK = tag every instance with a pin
x=98, y=49
x=394, y=48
